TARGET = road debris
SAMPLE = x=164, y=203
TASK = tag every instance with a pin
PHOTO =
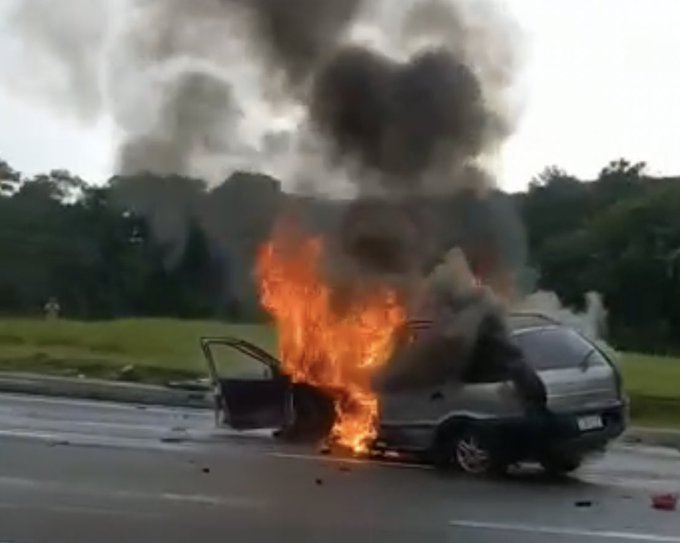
x=59, y=442
x=206, y=470
x=583, y=503
x=319, y=481
x=665, y=502
x=172, y=439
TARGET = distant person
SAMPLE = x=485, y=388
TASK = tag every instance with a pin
x=52, y=309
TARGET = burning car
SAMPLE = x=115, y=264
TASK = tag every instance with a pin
x=478, y=423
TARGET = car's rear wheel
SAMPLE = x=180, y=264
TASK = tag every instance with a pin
x=472, y=452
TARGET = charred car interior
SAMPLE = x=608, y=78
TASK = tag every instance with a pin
x=480, y=423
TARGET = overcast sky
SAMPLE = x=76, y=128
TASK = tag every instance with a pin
x=601, y=81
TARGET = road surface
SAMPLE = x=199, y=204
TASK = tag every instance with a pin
x=74, y=471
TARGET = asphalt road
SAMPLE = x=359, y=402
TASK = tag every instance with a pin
x=74, y=472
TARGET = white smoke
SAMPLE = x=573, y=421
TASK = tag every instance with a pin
x=592, y=322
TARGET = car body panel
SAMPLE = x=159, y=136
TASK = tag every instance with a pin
x=580, y=380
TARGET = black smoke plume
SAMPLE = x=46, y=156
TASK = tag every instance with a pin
x=403, y=119
x=297, y=35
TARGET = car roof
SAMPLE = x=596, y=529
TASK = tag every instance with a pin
x=517, y=321
x=524, y=320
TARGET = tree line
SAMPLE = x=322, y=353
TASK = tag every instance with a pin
x=171, y=246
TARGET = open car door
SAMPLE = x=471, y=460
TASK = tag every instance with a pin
x=251, y=392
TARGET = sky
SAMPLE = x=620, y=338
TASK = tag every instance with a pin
x=600, y=80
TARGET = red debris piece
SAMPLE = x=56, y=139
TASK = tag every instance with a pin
x=665, y=502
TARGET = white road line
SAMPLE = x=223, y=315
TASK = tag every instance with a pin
x=340, y=460
x=87, y=491
x=556, y=531
x=103, y=425
x=152, y=443
x=30, y=399
x=43, y=436
x=79, y=510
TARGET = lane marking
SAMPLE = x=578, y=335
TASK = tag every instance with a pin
x=102, y=425
x=355, y=461
x=44, y=436
x=103, y=441
x=79, y=510
x=556, y=531
x=647, y=450
x=236, y=502
x=30, y=399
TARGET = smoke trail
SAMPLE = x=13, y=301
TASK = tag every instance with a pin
x=193, y=114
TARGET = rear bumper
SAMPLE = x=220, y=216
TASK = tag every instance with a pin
x=537, y=434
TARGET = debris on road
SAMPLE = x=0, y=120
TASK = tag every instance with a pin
x=206, y=470
x=172, y=439
x=583, y=503
x=59, y=442
x=319, y=481
x=665, y=502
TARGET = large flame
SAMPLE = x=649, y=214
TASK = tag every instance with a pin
x=337, y=350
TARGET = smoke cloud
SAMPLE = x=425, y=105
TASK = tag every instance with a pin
x=52, y=55
x=199, y=88
x=405, y=120
x=298, y=35
x=195, y=110
x=395, y=101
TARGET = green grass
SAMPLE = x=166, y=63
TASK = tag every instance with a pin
x=160, y=349
x=649, y=375
x=168, y=349
x=653, y=383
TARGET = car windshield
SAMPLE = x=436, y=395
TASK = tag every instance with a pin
x=557, y=348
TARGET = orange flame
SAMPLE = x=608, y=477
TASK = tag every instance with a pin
x=319, y=345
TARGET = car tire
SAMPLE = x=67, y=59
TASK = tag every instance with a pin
x=471, y=452
x=558, y=465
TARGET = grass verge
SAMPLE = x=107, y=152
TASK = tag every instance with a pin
x=163, y=350
x=159, y=349
x=653, y=383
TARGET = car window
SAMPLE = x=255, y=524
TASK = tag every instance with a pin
x=482, y=374
x=556, y=348
x=233, y=364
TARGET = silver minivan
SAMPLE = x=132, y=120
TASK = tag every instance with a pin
x=479, y=425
